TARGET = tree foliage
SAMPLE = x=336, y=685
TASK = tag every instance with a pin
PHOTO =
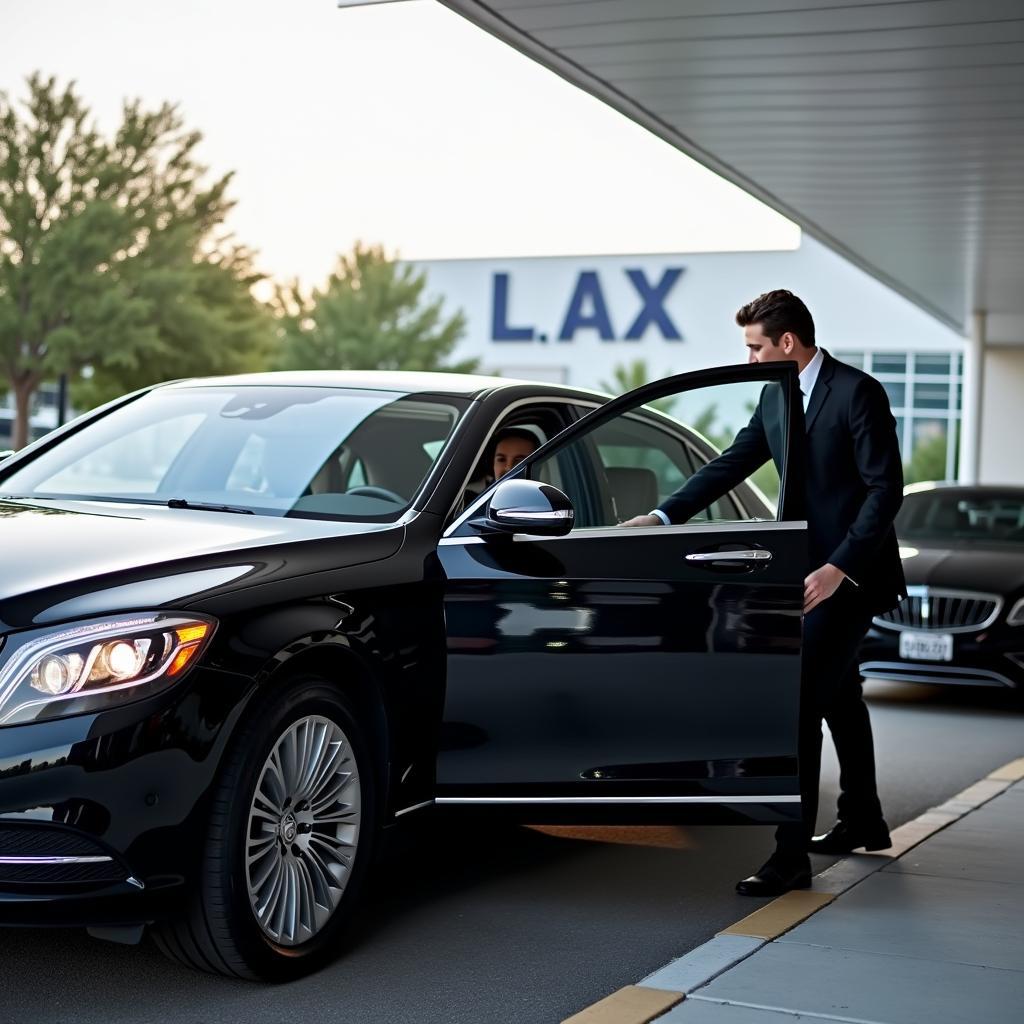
x=629, y=377
x=213, y=327
x=928, y=460
x=371, y=315
x=112, y=252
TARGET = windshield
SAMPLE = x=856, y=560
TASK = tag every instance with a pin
x=328, y=453
x=962, y=515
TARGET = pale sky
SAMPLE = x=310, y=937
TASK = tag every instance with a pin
x=400, y=123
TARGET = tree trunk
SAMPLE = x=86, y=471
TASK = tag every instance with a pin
x=22, y=406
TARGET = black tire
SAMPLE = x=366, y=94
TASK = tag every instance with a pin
x=220, y=932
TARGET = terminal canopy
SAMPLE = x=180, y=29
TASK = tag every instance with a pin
x=892, y=131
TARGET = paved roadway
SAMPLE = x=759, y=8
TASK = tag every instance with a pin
x=487, y=926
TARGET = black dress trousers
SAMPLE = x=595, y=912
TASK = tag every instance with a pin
x=831, y=691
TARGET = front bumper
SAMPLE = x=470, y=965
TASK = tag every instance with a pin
x=102, y=816
x=992, y=657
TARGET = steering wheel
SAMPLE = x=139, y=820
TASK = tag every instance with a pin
x=369, y=491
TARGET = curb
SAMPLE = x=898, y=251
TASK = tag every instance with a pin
x=656, y=994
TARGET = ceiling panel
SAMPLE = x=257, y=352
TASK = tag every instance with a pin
x=893, y=131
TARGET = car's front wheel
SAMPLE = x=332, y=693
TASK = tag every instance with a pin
x=291, y=827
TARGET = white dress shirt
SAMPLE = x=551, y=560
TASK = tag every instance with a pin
x=808, y=378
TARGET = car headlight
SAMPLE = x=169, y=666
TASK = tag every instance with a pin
x=89, y=666
x=1016, y=616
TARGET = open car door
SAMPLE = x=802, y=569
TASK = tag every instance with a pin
x=629, y=673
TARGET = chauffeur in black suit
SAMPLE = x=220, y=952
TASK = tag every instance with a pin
x=854, y=489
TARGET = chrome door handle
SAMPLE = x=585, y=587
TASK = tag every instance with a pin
x=753, y=555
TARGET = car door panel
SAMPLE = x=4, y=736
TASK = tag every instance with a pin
x=559, y=677
x=607, y=669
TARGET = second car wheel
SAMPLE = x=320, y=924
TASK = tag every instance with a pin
x=291, y=830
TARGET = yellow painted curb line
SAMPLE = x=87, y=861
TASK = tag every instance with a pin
x=915, y=832
x=1012, y=772
x=630, y=1005
x=981, y=792
x=781, y=914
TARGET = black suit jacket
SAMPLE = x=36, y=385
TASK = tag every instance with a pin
x=854, y=476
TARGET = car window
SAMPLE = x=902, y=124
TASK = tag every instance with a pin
x=642, y=463
x=136, y=460
x=962, y=514
x=357, y=474
x=276, y=450
x=532, y=424
x=630, y=465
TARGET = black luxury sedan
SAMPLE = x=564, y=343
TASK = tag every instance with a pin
x=962, y=620
x=247, y=623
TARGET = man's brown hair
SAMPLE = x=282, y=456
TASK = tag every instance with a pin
x=778, y=312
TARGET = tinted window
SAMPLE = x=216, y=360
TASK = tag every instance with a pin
x=931, y=363
x=534, y=423
x=962, y=515
x=323, y=452
x=629, y=466
x=641, y=461
x=889, y=362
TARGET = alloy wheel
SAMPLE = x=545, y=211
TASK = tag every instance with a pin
x=303, y=830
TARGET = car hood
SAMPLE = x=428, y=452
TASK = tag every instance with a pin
x=66, y=559
x=990, y=568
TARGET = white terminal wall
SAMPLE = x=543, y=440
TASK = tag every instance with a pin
x=852, y=311
x=1002, y=417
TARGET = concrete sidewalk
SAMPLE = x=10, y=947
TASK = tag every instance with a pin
x=930, y=933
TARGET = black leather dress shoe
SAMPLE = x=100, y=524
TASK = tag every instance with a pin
x=845, y=838
x=777, y=876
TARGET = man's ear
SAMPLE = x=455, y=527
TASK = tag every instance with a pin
x=788, y=342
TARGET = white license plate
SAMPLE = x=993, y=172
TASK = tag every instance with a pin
x=926, y=646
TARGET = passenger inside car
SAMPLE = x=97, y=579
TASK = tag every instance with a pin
x=509, y=446
x=512, y=446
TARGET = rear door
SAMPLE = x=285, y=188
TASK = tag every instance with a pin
x=620, y=671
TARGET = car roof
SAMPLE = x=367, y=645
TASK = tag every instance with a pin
x=468, y=385
x=952, y=487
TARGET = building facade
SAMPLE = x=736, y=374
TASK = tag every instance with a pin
x=579, y=320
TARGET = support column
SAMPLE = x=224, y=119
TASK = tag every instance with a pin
x=969, y=470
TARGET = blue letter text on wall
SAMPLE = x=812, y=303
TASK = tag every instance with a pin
x=588, y=288
x=500, y=329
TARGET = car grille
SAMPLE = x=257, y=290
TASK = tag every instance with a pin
x=952, y=611
x=41, y=855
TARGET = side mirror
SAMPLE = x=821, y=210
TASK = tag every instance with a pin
x=527, y=506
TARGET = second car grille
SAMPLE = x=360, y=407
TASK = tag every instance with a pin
x=953, y=611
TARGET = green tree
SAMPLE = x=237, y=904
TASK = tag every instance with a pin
x=112, y=252
x=371, y=315
x=629, y=377
x=213, y=327
x=928, y=461
x=705, y=422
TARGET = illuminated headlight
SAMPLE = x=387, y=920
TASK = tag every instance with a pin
x=89, y=666
x=1016, y=616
